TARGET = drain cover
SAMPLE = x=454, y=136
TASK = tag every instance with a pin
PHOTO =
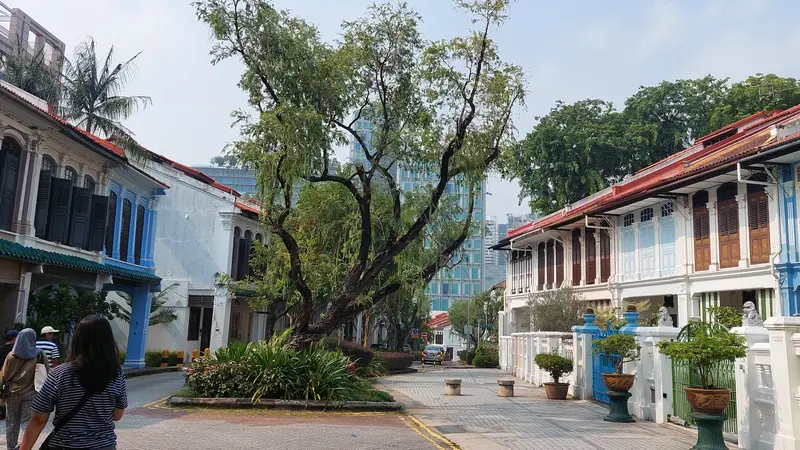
x=449, y=429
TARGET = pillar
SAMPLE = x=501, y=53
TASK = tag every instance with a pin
x=21, y=294
x=683, y=301
x=582, y=240
x=784, y=343
x=713, y=230
x=221, y=322
x=657, y=241
x=137, y=332
x=582, y=337
x=744, y=248
x=117, y=223
x=132, y=230
x=27, y=187
x=747, y=382
x=598, y=275
x=637, y=253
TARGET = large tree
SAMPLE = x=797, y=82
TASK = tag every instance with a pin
x=479, y=312
x=442, y=107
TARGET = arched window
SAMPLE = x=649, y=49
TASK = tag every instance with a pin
x=71, y=174
x=46, y=174
x=125, y=229
x=237, y=236
x=758, y=220
x=627, y=220
x=646, y=215
x=111, y=223
x=48, y=164
x=88, y=183
x=248, y=235
x=9, y=171
x=667, y=209
x=260, y=238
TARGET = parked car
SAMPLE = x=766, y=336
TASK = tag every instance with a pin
x=433, y=353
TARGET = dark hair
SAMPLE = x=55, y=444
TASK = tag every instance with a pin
x=94, y=354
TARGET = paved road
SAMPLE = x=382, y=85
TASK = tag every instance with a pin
x=480, y=420
x=150, y=424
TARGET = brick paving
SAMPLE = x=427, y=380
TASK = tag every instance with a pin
x=528, y=421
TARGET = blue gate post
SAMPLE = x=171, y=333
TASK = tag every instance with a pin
x=584, y=334
x=631, y=322
x=140, y=321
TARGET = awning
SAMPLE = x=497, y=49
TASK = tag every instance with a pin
x=12, y=250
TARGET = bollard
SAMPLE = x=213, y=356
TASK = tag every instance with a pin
x=195, y=355
x=164, y=358
x=180, y=359
x=453, y=386
x=423, y=361
x=505, y=388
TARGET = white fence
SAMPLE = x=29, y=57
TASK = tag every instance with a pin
x=767, y=380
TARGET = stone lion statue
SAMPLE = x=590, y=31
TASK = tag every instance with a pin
x=664, y=319
x=750, y=316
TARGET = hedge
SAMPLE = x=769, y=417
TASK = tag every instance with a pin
x=356, y=352
x=396, y=360
x=152, y=358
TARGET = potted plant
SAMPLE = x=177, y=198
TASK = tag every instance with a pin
x=557, y=366
x=703, y=347
x=619, y=348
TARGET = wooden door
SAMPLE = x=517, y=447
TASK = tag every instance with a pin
x=605, y=256
x=591, y=257
x=540, y=267
x=80, y=215
x=58, y=213
x=728, y=222
x=702, y=240
x=551, y=263
x=758, y=218
x=559, y=264
x=576, y=257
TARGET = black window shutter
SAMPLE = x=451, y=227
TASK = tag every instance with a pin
x=42, y=203
x=137, y=250
x=8, y=189
x=125, y=229
x=58, y=214
x=244, y=258
x=235, y=258
x=111, y=223
x=79, y=217
x=97, y=223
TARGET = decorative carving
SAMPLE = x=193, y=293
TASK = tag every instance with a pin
x=782, y=278
x=751, y=317
x=664, y=319
x=712, y=207
x=681, y=288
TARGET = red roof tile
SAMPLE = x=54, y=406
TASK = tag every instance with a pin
x=440, y=320
x=246, y=207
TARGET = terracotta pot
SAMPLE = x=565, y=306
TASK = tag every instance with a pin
x=708, y=401
x=556, y=391
x=618, y=383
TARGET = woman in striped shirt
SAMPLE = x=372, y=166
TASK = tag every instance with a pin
x=87, y=393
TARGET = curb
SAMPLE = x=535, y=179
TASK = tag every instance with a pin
x=312, y=405
x=133, y=373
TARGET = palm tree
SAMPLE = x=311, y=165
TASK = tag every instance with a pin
x=92, y=91
x=31, y=73
x=158, y=314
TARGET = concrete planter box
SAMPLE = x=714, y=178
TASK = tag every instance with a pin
x=270, y=403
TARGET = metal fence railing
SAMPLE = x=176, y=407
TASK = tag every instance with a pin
x=684, y=376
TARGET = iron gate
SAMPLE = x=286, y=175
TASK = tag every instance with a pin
x=600, y=365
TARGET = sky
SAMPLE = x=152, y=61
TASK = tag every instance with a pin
x=570, y=50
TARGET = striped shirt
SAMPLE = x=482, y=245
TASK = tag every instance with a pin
x=93, y=426
x=50, y=349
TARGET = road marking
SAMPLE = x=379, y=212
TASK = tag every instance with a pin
x=158, y=404
x=417, y=430
x=434, y=435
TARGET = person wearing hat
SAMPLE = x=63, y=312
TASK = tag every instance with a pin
x=11, y=336
x=48, y=346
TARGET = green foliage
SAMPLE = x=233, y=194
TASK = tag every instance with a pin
x=158, y=314
x=483, y=310
x=236, y=351
x=62, y=307
x=705, y=347
x=557, y=310
x=466, y=356
x=556, y=365
x=376, y=368
x=31, y=73
x=396, y=360
x=725, y=315
x=580, y=148
x=152, y=358
x=357, y=353
x=487, y=355
x=608, y=314
x=620, y=348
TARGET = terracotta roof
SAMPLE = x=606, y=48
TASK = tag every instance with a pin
x=500, y=285
x=226, y=189
x=440, y=320
x=246, y=207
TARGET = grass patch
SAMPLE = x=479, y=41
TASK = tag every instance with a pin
x=372, y=395
x=185, y=391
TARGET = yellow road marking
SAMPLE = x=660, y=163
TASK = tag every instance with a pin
x=434, y=435
x=416, y=430
x=160, y=403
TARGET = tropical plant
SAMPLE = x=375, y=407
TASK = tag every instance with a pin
x=704, y=350
x=158, y=314
x=62, y=307
x=92, y=91
x=443, y=108
x=619, y=348
x=557, y=310
x=609, y=314
x=556, y=365
x=725, y=315
x=32, y=73
x=483, y=314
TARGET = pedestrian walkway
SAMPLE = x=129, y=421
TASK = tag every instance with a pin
x=478, y=419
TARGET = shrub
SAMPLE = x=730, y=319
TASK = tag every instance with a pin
x=376, y=368
x=152, y=358
x=487, y=355
x=620, y=348
x=235, y=351
x=357, y=353
x=466, y=356
x=703, y=350
x=396, y=360
x=556, y=365
x=208, y=378
x=726, y=315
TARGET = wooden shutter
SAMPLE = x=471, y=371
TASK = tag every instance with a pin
x=605, y=256
x=125, y=229
x=591, y=257
x=576, y=257
x=758, y=218
x=137, y=250
x=97, y=223
x=559, y=263
x=551, y=266
x=42, y=203
x=244, y=258
x=728, y=221
x=702, y=241
x=235, y=258
x=58, y=213
x=540, y=267
x=8, y=189
x=79, y=217
x=111, y=223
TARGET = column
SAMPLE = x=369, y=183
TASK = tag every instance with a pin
x=137, y=332
x=117, y=224
x=657, y=240
x=597, y=258
x=21, y=295
x=132, y=230
x=784, y=342
x=546, y=266
x=744, y=237
x=748, y=382
x=713, y=230
x=582, y=241
x=27, y=186
x=662, y=369
x=637, y=254
x=684, y=303
x=221, y=322
x=582, y=337
x=568, y=261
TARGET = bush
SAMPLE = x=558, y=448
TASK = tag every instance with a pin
x=620, y=348
x=208, y=378
x=703, y=350
x=556, y=365
x=357, y=353
x=466, y=356
x=396, y=360
x=487, y=355
x=376, y=368
x=152, y=358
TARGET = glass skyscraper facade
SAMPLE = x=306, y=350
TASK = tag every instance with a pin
x=242, y=180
